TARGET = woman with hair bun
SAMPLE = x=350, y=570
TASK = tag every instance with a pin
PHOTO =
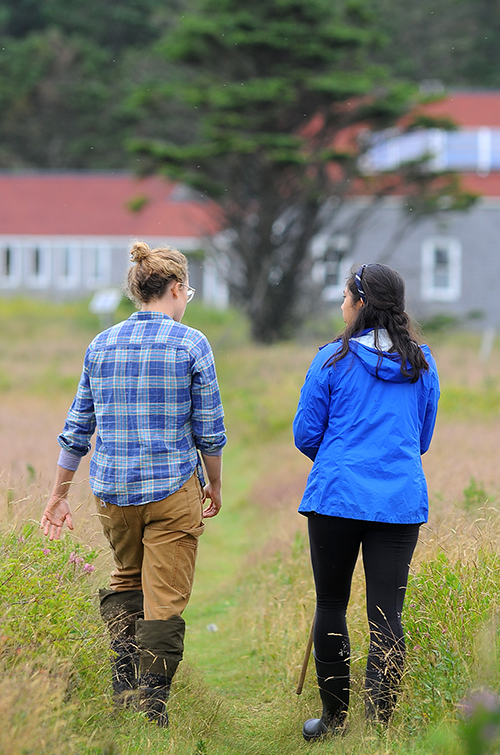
x=149, y=390
x=366, y=414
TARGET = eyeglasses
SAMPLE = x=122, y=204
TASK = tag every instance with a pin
x=190, y=291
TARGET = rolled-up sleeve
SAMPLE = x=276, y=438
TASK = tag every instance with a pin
x=207, y=419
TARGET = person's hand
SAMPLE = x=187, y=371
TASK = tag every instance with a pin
x=57, y=512
x=214, y=494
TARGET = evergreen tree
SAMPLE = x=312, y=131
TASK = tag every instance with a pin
x=272, y=87
x=67, y=68
x=456, y=42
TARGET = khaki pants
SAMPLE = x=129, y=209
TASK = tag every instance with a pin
x=154, y=548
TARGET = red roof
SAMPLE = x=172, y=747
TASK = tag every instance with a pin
x=99, y=204
x=469, y=109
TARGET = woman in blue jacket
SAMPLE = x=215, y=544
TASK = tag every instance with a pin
x=366, y=414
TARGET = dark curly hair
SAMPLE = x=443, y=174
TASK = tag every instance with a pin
x=382, y=291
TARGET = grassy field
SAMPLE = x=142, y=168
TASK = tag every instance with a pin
x=253, y=601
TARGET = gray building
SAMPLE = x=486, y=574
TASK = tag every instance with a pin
x=451, y=262
x=451, y=265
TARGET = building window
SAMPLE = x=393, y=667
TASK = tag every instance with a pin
x=333, y=267
x=97, y=266
x=332, y=264
x=67, y=263
x=37, y=260
x=10, y=265
x=441, y=269
x=464, y=150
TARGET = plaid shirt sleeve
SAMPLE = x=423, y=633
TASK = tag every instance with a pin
x=81, y=422
x=207, y=417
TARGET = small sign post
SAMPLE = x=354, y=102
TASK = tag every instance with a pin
x=105, y=303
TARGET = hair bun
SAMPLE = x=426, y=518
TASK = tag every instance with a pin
x=140, y=251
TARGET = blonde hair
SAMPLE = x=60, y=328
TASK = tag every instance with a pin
x=153, y=271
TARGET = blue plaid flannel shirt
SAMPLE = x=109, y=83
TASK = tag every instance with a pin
x=150, y=390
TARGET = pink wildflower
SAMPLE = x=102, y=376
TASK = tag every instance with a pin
x=72, y=557
x=46, y=551
x=88, y=568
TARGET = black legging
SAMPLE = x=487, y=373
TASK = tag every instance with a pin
x=387, y=552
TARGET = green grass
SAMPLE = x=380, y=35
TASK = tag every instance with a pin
x=470, y=403
x=234, y=693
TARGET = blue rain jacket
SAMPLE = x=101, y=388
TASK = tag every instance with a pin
x=365, y=430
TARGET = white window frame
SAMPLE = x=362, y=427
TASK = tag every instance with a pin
x=320, y=266
x=96, y=276
x=42, y=278
x=448, y=149
x=73, y=253
x=429, y=291
x=14, y=278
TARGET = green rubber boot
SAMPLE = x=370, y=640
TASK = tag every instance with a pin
x=161, y=645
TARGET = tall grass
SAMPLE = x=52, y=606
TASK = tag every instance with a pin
x=235, y=691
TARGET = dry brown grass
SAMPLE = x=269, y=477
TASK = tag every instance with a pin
x=31, y=704
x=461, y=448
x=459, y=451
x=274, y=622
x=29, y=426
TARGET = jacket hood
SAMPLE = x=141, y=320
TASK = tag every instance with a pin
x=380, y=363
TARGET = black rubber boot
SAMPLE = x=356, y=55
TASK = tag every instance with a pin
x=124, y=667
x=120, y=611
x=161, y=645
x=154, y=692
x=333, y=683
x=383, y=675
